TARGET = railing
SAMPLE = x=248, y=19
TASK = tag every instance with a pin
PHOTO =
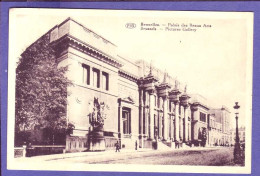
x=35, y=150
x=110, y=142
x=19, y=152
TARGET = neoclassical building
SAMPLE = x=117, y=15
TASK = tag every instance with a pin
x=146, y=105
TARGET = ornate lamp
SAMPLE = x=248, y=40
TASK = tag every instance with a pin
x=237, y=152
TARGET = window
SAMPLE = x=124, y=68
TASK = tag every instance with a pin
x=105, y=81
x=126, y=118
x=202, y=117
x=96, y=78
x=86, y=74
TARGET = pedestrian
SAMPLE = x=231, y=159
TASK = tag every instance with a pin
x=135, y=145
x=177, y=144
x=117, y=146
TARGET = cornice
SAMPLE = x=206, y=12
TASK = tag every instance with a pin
x=68, y=40
x=199, y=104
x=163, y=86
x=128, y=76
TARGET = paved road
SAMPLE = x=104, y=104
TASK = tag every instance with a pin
x=209, y=157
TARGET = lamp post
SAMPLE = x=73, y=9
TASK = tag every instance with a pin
x=237, y=152
x=156, y=137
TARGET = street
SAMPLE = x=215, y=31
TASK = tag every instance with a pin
x=214, y=157
x=222, y=156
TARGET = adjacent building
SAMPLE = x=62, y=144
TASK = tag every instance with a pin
x=219, y=127
x=241, y=134
x=146, y=105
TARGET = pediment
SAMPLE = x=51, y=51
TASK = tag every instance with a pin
x=128, y=99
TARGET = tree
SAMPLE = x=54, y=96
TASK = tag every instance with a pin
x=41, y=89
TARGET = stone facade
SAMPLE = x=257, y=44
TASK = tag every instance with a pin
x=146, y=105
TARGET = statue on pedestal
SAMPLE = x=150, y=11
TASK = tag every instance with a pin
x=97, y=116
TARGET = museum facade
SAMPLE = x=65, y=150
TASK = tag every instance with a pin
x=145, y=107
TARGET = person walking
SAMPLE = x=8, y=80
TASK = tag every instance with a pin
x=117, y=147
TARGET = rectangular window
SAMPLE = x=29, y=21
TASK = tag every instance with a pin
x=86, y=74
x=96, y=78
x=105, y=81
x=202, y=117
x=126, y=118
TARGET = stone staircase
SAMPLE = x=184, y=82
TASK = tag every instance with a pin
x=169, y=144
x=164, y=145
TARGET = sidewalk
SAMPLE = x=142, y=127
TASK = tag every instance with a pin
x=81, y=154
x=107, y=154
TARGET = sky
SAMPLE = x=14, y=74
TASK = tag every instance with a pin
x=213, y=61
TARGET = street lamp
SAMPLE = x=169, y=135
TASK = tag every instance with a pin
x=237, y=152
x=156, y=137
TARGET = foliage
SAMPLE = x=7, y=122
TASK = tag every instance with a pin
x=41, y=89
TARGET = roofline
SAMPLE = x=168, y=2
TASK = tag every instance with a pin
x=69, y=18
x=221, y=109
x=128, y=60
x=48, y=32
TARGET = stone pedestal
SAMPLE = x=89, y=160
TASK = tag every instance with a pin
x=97, y=140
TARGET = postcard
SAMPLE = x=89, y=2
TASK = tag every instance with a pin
x=130, y=90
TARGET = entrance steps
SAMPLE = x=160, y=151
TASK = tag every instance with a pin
x=163, y=145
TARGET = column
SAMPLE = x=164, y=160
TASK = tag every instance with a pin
x=177, y=125
x=165, y=119
x=160, y=125
x=181, y=123
x=189, y=115
x=120, y=123
x=151, y=115
x=171, y=123
x=145, y=125
x=141, y=120
x=185, y=136
x=172, y=129
x=189, y=130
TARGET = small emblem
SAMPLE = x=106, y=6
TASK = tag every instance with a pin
x=130, y=25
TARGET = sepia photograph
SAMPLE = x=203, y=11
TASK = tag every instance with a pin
x=130, y=90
